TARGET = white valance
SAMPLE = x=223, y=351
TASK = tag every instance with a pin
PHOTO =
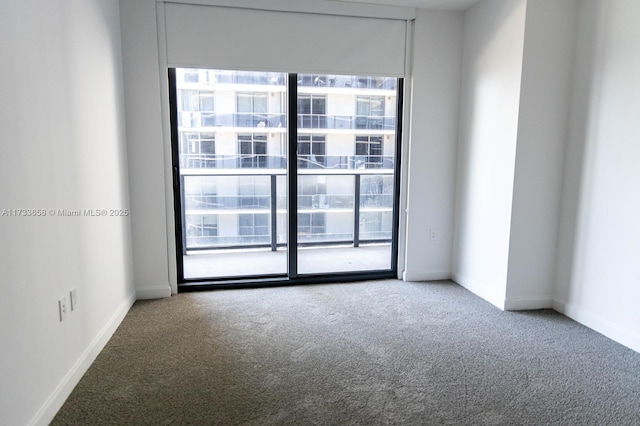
x=224, y=37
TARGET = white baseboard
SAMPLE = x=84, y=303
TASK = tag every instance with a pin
x=153, y=292
x=527, y=303
x=621, y=334
x=425, y=276
x=483, y=291
x=60, y=394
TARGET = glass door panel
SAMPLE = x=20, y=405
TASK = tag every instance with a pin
x=231, y=143
x=346, y=173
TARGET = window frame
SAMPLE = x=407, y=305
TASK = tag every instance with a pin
x=255, y=142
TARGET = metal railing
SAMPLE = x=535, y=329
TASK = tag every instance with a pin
x=197, y=119
x=304, y=80
x=350, y=122
x=360, y=202
x=333, y=80
x=264, y=161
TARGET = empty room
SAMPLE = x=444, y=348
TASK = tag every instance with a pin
x=320, y=212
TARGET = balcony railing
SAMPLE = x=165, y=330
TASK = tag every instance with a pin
x=263, y=161
x=304, y=80
x=331, y=80
x=305, y=121
x=190, y=119
x=323, y=121
x=260, y=197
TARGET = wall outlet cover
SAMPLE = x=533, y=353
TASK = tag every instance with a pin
x=73, y=298
x=62, y=308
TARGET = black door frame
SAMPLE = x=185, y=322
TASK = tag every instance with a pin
x=291, y=277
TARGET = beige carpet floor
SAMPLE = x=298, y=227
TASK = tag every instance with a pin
x=377, y=352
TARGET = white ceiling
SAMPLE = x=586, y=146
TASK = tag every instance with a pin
x=426, y=4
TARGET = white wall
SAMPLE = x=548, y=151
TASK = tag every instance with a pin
x=149, y=157
x=435, y=87
x=63, y=147
x=598, y=274
x=572, y=223
x=542, y=126
x=492, y=67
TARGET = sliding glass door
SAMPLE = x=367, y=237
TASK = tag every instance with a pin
x=346, y=149
x=283, y=176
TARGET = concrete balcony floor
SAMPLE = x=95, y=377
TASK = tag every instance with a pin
x=311, y=260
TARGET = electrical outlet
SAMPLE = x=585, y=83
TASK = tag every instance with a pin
x=73, y=299
x=62, y=308
x=433, y=234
